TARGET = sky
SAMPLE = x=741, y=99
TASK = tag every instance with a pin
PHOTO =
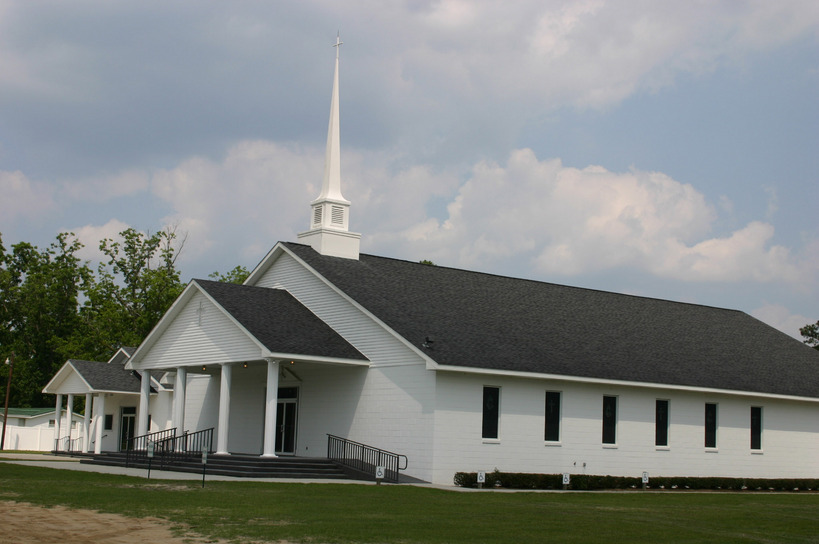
x=661, y=149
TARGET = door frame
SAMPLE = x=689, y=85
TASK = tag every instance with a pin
x=283, y=404
x=123, y=439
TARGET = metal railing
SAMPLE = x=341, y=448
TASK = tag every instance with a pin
x=189, y=445
x=167, y=446
x=365, y=459
x=66, y=444
x=136, y=447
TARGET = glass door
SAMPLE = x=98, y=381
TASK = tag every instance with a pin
x=127, y=426
x=286, y=413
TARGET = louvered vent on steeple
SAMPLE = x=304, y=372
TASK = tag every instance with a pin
x=337, y=215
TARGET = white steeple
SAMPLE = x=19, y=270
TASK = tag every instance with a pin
x=330, y=212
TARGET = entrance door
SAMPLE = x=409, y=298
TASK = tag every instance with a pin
x=127, y=426
x=286, y=421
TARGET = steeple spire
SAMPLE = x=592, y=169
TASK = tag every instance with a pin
x=331, y=187
x=330, y=212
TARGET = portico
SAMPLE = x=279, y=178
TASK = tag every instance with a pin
x=109, y=391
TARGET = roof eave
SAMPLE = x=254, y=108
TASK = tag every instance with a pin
x=623, y=383
x=58, y=377
x=302, y=357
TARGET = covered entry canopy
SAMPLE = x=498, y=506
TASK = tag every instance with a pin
x=95, y=380
x=213, y=327
x=213, y=322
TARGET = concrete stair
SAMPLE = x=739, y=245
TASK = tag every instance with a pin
x=245, y=466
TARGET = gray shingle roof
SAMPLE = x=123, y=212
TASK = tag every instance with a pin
x=107, y=376
x=494, y=322
x=260, y=312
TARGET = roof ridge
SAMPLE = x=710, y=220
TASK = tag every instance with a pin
x=540, y=282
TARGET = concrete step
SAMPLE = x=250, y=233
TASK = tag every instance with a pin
x=237, y=466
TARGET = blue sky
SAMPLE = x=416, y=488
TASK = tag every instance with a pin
x=661, y=149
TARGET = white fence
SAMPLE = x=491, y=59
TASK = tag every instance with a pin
x=35, y=438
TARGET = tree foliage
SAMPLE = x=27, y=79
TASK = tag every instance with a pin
x=238, y=275
x=53, y=307
x=40, y=290
x=810, y=333
x=134, y=287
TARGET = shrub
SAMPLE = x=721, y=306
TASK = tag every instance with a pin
x=589, y=482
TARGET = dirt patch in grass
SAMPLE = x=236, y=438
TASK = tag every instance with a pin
x=28, y=524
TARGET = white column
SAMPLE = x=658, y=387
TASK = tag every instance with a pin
x=179, y=393
x=58, y=415
x=99, y=410
x=69, y=419
x=270, y=408
x=86, y=424
x=144, y=399
x=224, y=410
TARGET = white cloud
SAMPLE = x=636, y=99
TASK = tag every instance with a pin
x=23, y=198
x=260, y=193
x=781, y=318
x=568, y=221
x=105, y=187
x=91, y=235
x=590, y=53
x=245, y=200
x=744, y=255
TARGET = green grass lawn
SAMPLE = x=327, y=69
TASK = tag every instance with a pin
x=256, y=511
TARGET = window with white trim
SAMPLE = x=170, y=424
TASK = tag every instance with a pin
x=491, y=412
x=551, y=431
x=661, y=421
x=710, y=425
x=756, y=427
x=609, y=420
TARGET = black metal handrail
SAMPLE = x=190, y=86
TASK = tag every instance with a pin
x=73, y=444
x=136, y=447
x=66, y=444
x=188, y=445
x=364, y=458
x=167, y=446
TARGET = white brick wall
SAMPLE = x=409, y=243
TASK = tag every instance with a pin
x=789, y=441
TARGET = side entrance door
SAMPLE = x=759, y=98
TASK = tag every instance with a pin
x=286, y=419
x=127, y=426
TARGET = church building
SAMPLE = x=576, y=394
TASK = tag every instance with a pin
x=466, y=371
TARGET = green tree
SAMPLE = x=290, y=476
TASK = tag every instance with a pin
x=133, y=290
x=238, y=275
x=811, y=335
x=39, y=311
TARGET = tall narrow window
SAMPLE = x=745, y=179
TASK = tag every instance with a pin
x=661, y=423
x=710, y=425
x=609, y=420
x=491, y=411
x=756, y=427
x=552, y=430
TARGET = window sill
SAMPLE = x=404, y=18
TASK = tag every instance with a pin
x=553, y=444
x=662, y=448
x=711, y=450
x=757, y=452
x=609, y=446
x=490, y=440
